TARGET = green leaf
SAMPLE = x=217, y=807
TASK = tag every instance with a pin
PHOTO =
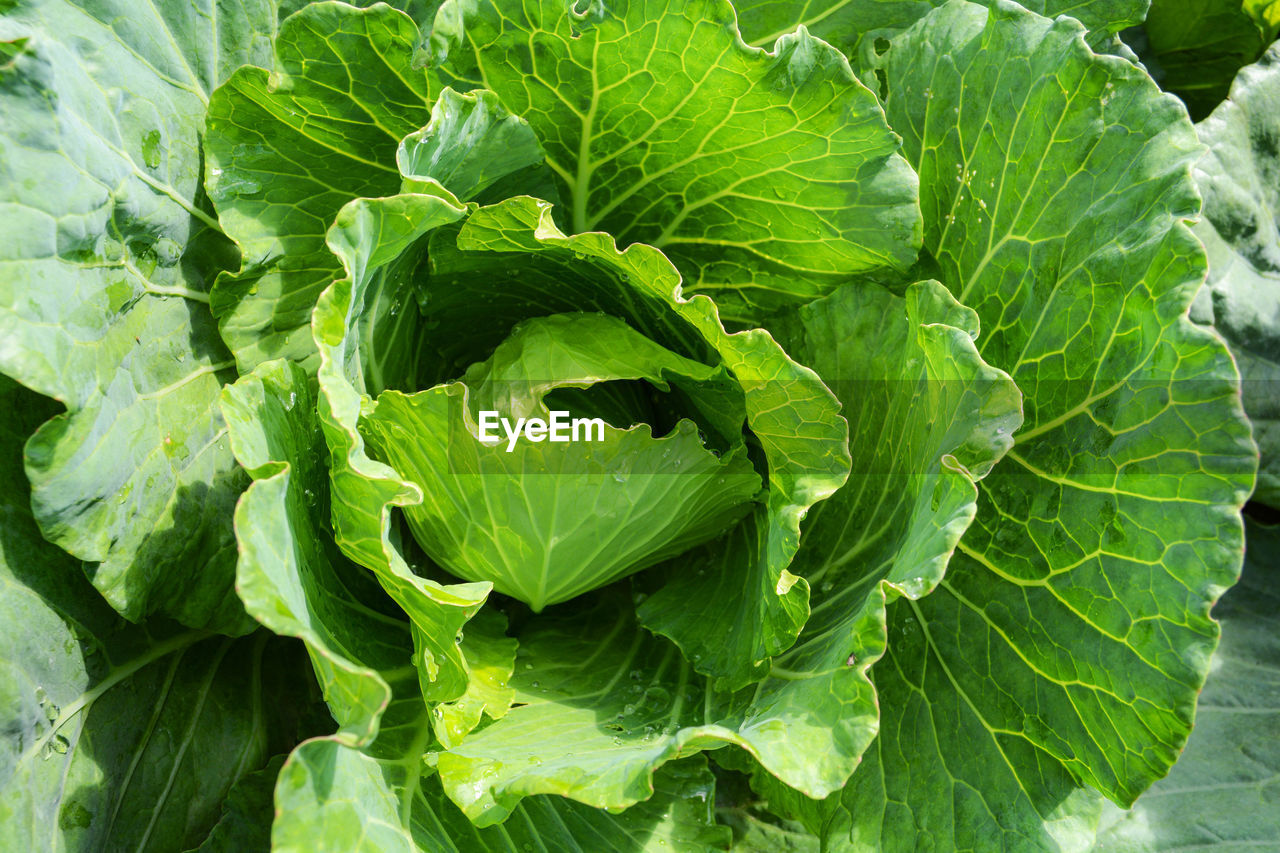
x=545, y=522
x=286, y=149
x=117, y=736
x=917, y=397
x=510, y=262
x=109, y=249
x=1221, y=794
x=420, y=10
x=929, y=418
x=334, y=798
x=491, y=657
x=291, y=575
x=369, y=236
x=761, y=833
x=679, y=816
x=790, y=412
x=858, y=27
x=245, y=825
x=1195, y=47
x=1071, y=633
x=766, y=178
x=1239, y=180
x=600, y=705
x=476, y=150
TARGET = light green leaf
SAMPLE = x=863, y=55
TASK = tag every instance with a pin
x=286, y=149
x=1194, y=48
x=766, y=178
x=369, y=236
x=422, y=11
x=294, y=579
x=476, y=289
x=600, y=705
x=291, y=575
x=858, y=27
x=1240, y=180
x=544, y=522
x=334, y=798
x=116, y=736
x=109, y=249
x=476, y=150
x=929, y=418
x=1222, y=793
x=789, y=411
x=491, y=657
x=510, y=262
x=1071, y=633
x=678, y=817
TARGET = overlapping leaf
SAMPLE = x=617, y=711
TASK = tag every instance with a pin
x=1194, y=48
x=109, y=251
x=112, y=735
x=336, y=799
x=1240, y=180
x=291, y=575
x=370, y=236
x=1071, y=633
x=369, y=787
x=510, y=261
x=1221, y=794
x=287, y=148
x=854, y=26
x=544, y=522
x=628, y=704
x=766, y=178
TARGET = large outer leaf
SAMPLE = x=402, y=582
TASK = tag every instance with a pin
x=1195, y=47
x=1070, y=636
x=109, y=250
x=117, y=736
x=288, y=148
x=855, y=25
x=1221, y=795
x=1240, y=179
x=766, y=178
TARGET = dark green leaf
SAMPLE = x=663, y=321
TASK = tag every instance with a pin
x=1240, y=180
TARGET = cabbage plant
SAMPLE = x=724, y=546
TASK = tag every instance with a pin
x=591, y=426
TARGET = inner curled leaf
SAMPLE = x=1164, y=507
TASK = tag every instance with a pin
x=542, y=514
